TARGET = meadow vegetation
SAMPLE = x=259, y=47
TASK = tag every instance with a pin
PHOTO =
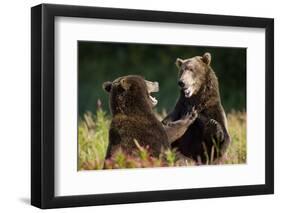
x=93, y=142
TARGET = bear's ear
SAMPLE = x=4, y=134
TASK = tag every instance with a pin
x=206, y=58
x=125, y=84
x=179, y=62
x=107, y=86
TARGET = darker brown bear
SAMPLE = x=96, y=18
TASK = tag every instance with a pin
x=207, y=138
x=133, y=118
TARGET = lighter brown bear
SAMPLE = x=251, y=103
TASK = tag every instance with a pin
x=207, y=137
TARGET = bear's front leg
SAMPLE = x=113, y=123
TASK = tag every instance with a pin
x=214, y=130
x=167, y=119
x=175, y=115
x=176, y=129
x=171, y=117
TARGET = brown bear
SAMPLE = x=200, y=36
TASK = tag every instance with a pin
x=207, y=137
x=131, y=105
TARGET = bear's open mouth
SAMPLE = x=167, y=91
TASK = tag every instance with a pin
x=152, y=87
x=153, y=100
x=188, y=92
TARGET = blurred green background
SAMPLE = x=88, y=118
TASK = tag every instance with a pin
x=99, y=62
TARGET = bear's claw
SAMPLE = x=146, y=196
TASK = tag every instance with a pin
x=215, y=127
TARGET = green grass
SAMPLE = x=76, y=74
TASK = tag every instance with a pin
x=93, y=142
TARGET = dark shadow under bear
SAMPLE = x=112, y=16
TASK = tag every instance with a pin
x=207, y=138
x=133, y=118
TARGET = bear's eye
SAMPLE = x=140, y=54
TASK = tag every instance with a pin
x=120, y=89
x=185, y=67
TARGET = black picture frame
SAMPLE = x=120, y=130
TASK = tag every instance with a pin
x=43, y=117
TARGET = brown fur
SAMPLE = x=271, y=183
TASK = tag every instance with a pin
x=210, y=126
x=133, y=118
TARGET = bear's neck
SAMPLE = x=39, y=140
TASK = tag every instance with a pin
x=132, y=111
x=133, y=107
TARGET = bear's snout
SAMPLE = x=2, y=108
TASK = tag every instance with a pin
x=181, y=83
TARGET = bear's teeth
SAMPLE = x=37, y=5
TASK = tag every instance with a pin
x=153, y=100
x=188, y=93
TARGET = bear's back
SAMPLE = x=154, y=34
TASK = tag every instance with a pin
x=147, y=131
